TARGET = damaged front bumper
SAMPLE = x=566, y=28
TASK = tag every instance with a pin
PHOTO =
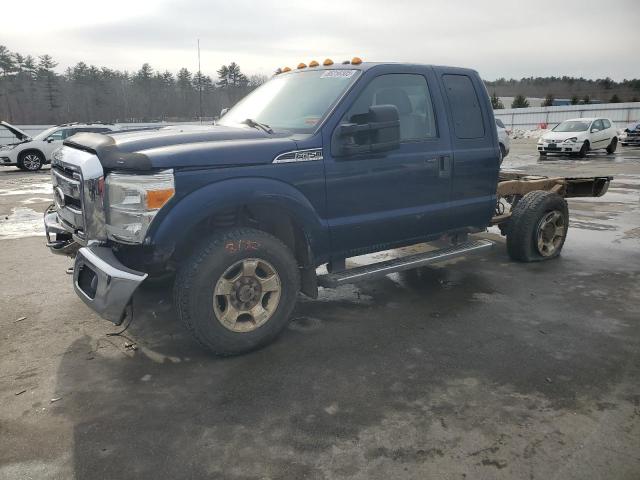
x=103, y=283
x=99, y=279
x=59, y=240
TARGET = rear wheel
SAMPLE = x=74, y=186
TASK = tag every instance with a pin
x=583, y=150
x=237, y=291
x=31, y=161
x=538, y=227
x=612, y=146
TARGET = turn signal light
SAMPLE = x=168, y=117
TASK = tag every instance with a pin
x=157, y=198
x=327, y=62
x=356, y=61
x=302, y=65
x=313, y=63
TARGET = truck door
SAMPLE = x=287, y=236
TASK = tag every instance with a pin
x=379, y=199
x=476, y=154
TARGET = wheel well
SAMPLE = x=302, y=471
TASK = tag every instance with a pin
x=273, y=220
x=31, y=150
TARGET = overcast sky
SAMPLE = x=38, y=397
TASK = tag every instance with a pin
x=498, y=38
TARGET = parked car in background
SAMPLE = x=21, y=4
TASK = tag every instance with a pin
x=578, y=136
x=631, y=135
x=503, y=139
x=32, y=153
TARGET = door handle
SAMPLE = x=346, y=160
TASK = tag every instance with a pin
x=444, y=169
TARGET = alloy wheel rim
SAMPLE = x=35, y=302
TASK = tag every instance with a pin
x=247, y=295
x=31, y=161
x=551, y=231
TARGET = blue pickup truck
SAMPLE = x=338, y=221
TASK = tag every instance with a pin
x=321, y=163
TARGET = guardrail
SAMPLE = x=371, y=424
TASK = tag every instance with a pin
x=621, y=114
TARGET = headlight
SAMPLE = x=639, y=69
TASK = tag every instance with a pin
x=8, y=147
x=571, y=140
x=133, y=201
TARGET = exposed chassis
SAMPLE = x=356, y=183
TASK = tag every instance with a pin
x=512, y=186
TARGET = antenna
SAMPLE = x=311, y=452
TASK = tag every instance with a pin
x=199, y=81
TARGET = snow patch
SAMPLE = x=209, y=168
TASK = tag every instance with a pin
x=23, y=222
x=521, y=133
x=33, y=189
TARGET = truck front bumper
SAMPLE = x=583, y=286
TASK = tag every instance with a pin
x=103, y=283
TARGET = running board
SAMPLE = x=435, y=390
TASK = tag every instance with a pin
x=380, y=269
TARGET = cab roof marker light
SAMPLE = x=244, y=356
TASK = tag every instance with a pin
x=302, y=65
x=356, y=61
x=286, y=69
x=313, y=63
x=327, y=62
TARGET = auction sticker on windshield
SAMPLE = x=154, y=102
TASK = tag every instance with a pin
x=338, y=74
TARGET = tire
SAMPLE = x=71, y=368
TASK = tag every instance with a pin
x=543, y=154
x=533, y=221
x=612, y=146
x=30, y=161
x=584, y=149
x=222, y=263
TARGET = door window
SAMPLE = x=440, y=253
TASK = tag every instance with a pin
x=597, y=126
x=57, y=135
x=409, y=93
x=606, y=123
x=465, y=106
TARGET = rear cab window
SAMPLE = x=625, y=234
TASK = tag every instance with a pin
x=465, y=106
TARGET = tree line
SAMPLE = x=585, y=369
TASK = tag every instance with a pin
x=33, y=92
x=576, y=90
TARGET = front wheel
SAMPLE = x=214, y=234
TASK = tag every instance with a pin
x=612, y=146
x=583, y=150
x=31, y=161
x=538, y=227
x=235, y=294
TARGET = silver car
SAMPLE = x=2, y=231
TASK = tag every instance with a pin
x=503, y=139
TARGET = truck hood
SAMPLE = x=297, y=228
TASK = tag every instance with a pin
x=20, y=135
x=177, y=147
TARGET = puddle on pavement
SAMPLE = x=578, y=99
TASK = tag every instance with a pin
x=22, y=222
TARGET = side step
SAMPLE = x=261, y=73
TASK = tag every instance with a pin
x=380, y=269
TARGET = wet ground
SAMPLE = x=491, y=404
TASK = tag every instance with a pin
x=481, y=368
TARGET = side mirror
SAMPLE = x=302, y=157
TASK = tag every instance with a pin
x=49, y=140
x=594, y=130
x=223, y=111
x=380, y=133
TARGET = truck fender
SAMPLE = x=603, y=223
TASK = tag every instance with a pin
x=170, y=229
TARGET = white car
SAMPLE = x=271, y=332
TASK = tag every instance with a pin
x=32, y=153
x=579, y=136
x=503, y=139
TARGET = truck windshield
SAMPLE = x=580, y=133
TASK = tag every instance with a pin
x=296, y=101
x=572, y=126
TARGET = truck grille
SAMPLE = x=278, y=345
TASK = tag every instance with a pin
x=67, y=195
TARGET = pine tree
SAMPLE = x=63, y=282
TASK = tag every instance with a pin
x=520, y=101
x=575, y=100
x=614, y=99
x=586, y=100
x=548, y=100
x=496, y=103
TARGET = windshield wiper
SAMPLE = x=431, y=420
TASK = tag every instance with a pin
x=262, y=126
